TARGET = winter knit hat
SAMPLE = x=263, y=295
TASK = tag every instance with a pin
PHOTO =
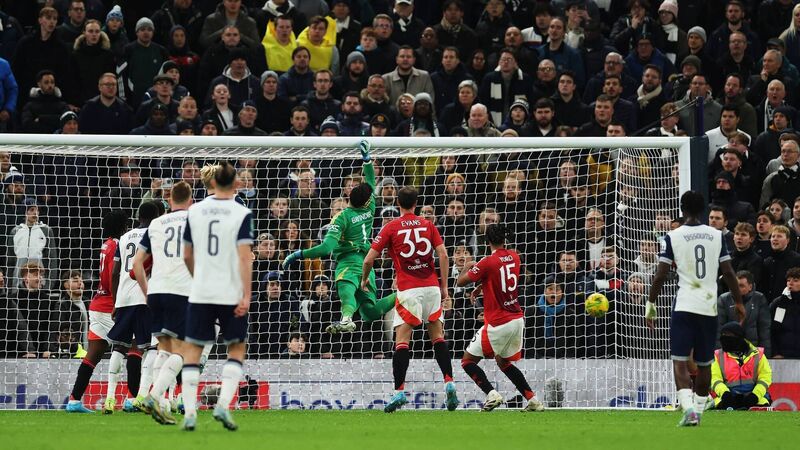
x=355, y=56
x=144, y=22
x=268, y=74
x=522, y=104
x=66, y=117
x=698, y=31
x=329, y=123
x=670, y=6
x=423, y=96
x=115, y=13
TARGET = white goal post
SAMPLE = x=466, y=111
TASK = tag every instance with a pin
x=629, y=185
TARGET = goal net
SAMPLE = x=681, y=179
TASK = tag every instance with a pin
x=585, y=215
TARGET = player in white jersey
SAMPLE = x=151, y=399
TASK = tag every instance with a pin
x=131, y=331
x=167, y=293
x=218, y=251
x=699, y=254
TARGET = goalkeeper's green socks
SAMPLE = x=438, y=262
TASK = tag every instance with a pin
x=386, y=304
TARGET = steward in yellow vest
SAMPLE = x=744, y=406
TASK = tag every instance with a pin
x=740, y=374
x=320, y=40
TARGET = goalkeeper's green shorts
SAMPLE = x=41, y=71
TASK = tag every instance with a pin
x=350, y=272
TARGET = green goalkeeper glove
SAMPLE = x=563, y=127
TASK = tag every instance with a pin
x=364, y=147
x=294, y=256
x=650, y=311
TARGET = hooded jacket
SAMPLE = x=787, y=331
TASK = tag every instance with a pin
x=90, y=63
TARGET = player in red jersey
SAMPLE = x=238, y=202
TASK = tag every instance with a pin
x=500, y=337
x=115, y=224
x=412, y=241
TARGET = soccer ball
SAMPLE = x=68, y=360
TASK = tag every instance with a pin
x=596, y=305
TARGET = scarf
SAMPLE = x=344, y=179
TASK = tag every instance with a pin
x=452, y=29
x=769, y=110
x=342, y=24
x=404, y=23
x=272, y=8
x=434, y=129
x=644, y=98
x=550, y=312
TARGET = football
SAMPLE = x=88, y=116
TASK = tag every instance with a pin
x=596, y=305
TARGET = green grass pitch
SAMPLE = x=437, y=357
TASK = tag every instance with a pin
x=406, y=429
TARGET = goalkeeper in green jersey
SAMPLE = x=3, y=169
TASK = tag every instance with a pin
x=348, y=239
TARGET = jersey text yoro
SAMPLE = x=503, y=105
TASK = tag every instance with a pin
x=498, y=273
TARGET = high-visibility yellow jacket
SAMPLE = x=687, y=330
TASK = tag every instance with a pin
x=279, y=57
x=752, y=373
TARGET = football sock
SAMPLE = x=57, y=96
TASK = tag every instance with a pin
x=147, y=373
x=161, y=358
x=114, y=369
x=191, y=377
x=231, y=374
x=699, y=403
x=85, y=371
x=478, y=375
x=172, y=386
x=686, y=399
x=519, y=380
x=442, y=354
x=167, y=375
x=347, y=294
x=400, y=365
x=133, y=366
x=386, y=304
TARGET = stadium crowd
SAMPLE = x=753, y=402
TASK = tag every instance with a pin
x=404, y=68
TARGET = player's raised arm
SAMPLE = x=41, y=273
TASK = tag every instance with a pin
x=464, y=277
x=368, y=167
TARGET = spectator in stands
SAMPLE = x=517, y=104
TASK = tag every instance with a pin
x=274, y=111
x=646, y=53
x=38, y=51
x=423, y=118
x=699, y=88
x=144, y=58
x=15, y=340
x=757, y=320
x=242, y=84
x=734, y=21
x=624, y=110
x=126, y=190
x=316, y=311
x=603, y=114
x=613, y=65
x=298, y=81
x=299, y=123
x=730, y=159
x=778, y=262
x=222, y=112
x=457, y=113
x=743, y=254
x=723, y=195
x=321, y=43
x=106, y=113
x=453, y=223
x=776, y=97
x=478, y=124
x=11, y=31
x=452, y=31
x=669, y=122
x=447, y=78
x=764, y=224
x=785, y=313
x=546, y=81
x=115, y=30
x=320, y=103
x=13, y=204
x=406, y=78
x=569, y=110
x=374, y=98
x=188, y=113
x=229, y=12
x=348, y=29
x=527, y=59
x=42, y=112
x=789, y=37
x=383, y=27
x=37, y=305
x=217, y=57
x=180, y=13
x=767, y=145
x=354, y=77
x=157, y=122
x=163, y=87
x=630, y=26
x=73, y=306
x=279, y=42
x=552, y=320
x=492, y=25
x=562, y=55
x=209, y=127
x=608, y=277
x=785, y=182
x=351, y=119
x=728, y=124
x=274, y=9
x=518, y=119
x=733, y=94
x=718, y=218
x=247, y=122
x=271, y=316
x=92, y=57
x=72, y=27
x=9, y=92
x=543, y=119
x=305, y=204
x=32, y=242
x=648, y=99
x=429, y=54
x=296, y=347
